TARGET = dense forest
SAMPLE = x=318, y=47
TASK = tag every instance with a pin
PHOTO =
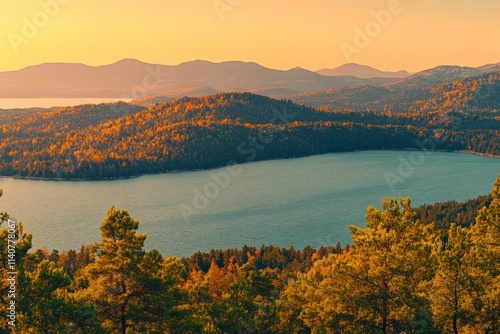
x=401, y=275
x=123, y=140
x=478, y=93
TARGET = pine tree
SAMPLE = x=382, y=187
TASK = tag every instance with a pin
x=126, y=283
x=378, y=285
x=486, y=256
x=453, y=283
x=43, y=303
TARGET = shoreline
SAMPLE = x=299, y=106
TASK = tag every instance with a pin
x=480, y=154
x=453, y=151
x=37, y=178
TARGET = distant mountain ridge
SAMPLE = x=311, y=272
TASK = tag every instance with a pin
x=443, y=73
x=362, y=72
x=135, y=79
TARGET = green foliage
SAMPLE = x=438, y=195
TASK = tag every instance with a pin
x=485, y=253
x=453, y=286
x=128, y=285
x=377, y=286
x=42, y=300
x=21, y=243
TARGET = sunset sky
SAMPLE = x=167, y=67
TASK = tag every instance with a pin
x=281, y=34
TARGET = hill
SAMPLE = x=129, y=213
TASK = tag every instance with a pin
x=469, y=94
x=361, y=71
x=123, y=140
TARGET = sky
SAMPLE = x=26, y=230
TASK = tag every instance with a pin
x=390, y=35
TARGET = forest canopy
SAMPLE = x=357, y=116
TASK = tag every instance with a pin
x=123, y=140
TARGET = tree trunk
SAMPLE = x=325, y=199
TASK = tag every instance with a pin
x=123, y=320
x=455, y=313
x=385, y=307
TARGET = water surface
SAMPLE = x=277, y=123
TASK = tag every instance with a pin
x=296, y=202
x=55, y=102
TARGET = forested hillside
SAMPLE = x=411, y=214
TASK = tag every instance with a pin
x=123, y=140
x=401, y=275
x=442, y=215
x=471, y=94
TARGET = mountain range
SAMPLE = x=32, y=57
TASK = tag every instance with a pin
x=130, y=78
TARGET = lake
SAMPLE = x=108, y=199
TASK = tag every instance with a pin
x=296, y=202
x=54, y=102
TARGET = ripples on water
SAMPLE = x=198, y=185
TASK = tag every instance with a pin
x=297, y=202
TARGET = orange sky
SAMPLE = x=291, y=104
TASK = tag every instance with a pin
x=416, y=34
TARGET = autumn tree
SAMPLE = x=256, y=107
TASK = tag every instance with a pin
x=290, y=305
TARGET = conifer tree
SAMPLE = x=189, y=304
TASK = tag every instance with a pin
x=125, y=282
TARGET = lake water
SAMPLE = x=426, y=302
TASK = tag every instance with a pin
x=54, y=102
x=297, y=202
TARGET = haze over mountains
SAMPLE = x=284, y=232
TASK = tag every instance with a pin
x=131, y=78
x=361, y=71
